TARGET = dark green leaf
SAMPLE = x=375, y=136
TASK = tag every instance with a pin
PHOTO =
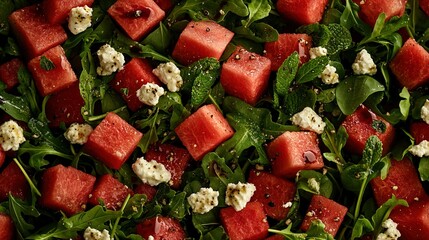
x=38, y=154
x=21, y=212
x=258, y=9
x=7, y=8
x=288, y=234
x=305, y=179
x=134, y=207
x=286, y=74
x=160, y=38
x=341, y=39
x=28, y=90
x=297, y=100
x=335, y=140
x=311, y=69
x=361, y=227
x=424, y=169
x=46, y=63
x=234, y=6
x=15, y=106
x=317, y=231
x=43, y=134
x=216, y=234
x=384, y=211
x=258, y=32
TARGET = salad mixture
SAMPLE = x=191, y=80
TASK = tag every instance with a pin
x=214, y=119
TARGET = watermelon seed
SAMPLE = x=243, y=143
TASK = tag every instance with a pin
x=309, y=156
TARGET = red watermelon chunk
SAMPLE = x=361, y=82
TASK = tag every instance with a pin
x=161, y=228
x=419, y=131
x=203, y=131
x=401, y=181
x=424, y=5
x=165, y=5
x=113, y=141
x=13, y=181
x=246, y=75
x=273, y=192
x=200, y=40
x=9, y=73
x=248, y=224
x=52, y=80
x=57, y=11
x=174, y=159
x=302, y=11
x=135, y=74
x=362, y=124
x=111, y=191
x=2, y=157
x=326, y=210
x=286, y=44
x=66, y=189
x=136, y=17
x=294, y=151
x=275, y=237
x=34, y=34
x=7, y=228
x=411, y=65
x=370, y=9
x=146, y=189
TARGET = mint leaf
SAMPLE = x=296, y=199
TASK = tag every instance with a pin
x=286, y=74
x=311, y=69
x=46, y=63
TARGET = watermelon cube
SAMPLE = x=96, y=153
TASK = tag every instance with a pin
x=294, y=151
x=34, y=34
x=200, y=40
x=57, y=11
x=109, y=190
x=326, y=210
x=424, y=5
x=362, y=124
x=112, y=141
x=13, y=181
x=370, y=9
x=165, y=5
x=248, y=224
x=174, y=159
x=65, y=106
x=402, y=181
x=275, y=237
x=273, y=192
x=246, y=75
x=413, y=221
x=160, y=228
x=303, y=12
x=286, y=44
x=146, y=189
x=203, y=131
x=411, y=65
x=419, y=131
x=135, y=74
x=57, y=76
x=66, y=189
x=7, y=228
x=9, y=73
x=136, y=17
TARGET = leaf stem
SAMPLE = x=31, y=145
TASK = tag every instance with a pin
x=101, y=116
x=359, y=200
x=115, y=226
x=30, y=182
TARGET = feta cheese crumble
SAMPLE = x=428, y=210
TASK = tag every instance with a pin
x=11, y=136
x=318, y=52
x=329, y=75
x=169, y=74
x=364, y=64
x=424, y=112
x=313, y=184
x=110, y=60
x=238, y=195
x=94, y=234
x=421, y=149
x=152, y=173
x=79, y=19
x=78, y=133
x=391, y=232
x=150, y=93
x=204, y=200
x=308, y=119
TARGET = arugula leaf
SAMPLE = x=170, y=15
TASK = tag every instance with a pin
x=17, y=210
x=361, y=227
x=334, y=140
x=37, y=154
x=204, y=223
x=46, y=63
x=258, y=9
x=288, y=234
x=15, y=106
x=350, y=19
x=311, y=69
x=317, y=231
x=44, y=135
x=28, y=90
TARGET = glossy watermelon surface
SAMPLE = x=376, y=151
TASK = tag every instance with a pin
x=9, y=73
x=7, y=228
x=110, y=191
x=370, y=9
x=57, y=11
x=302, y=12
x=413, y=221
x=160, y=228
x=12, y=181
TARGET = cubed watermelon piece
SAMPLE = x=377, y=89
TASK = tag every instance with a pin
x=51, y=80
x=248, y=224
x=2, y=157
x=326, y=210
x=286, y=44
x=413, y=221
x=66, y=189
x=57, y=11
x=136, y=17
x=273, y=192
x=34, y=34
x=175, y=160
x=419, y=131
x=109, y=190
x=113, y=141
x=13, y=181
x=146, y=189
x=7, y=228
x=411, y=65
x=246, y=75
x=401, y=181
x=424, y=5
x=203, y=131
x=200, y=40
x=303, y=12
x=362, y=124
x=370, y=9
x=65, y=106
x=275, y=237
x=294, y=151
x=161, y=228
x=165, y=5
x=135, y=74
x=9, y=73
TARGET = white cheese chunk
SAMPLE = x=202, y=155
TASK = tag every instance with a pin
x=204, y=200
x=79, y=19
x=364, y=64
x=308, y=119
x=152, y=173
x=424, y=112
x=421, y=149
x=169, y=74
x=329, y=75
x=78, y=133
x=313, y=184
x=110, y=60
x=238, y=195
x=11, y=136
x=391, y=232
x=94, y=234
x=150, y=93
x=318, y=52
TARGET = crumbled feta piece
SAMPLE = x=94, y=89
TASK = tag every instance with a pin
x=329, y=75
x=152, y=173
x=169, y=74
x=424, y=112
x=94, y=234
x=318, y=52
x=313, y=184
x=78, y=133
x=11, y=136
x=150, y=93
x=287, y=205
x=421, y=149
x=238, y=195
x=364, y=64
x=391, y=232
x=110, y=60
x=309, y=120
x=204, y=200
x=150, y=237
x=79, y=19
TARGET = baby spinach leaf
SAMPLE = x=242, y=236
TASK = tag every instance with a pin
x=15, y=106
x=311, y=69
x=258, y=32
x=238, y=7
x=160, y=38
x=258, y=9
